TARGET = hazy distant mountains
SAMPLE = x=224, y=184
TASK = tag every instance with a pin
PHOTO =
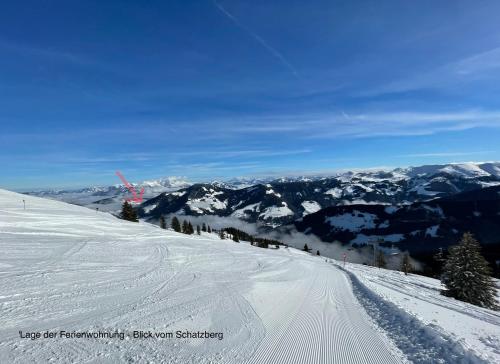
x=110, y=198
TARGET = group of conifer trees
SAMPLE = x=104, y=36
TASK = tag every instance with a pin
x=206, y=228
x=308, y=250
x=236, y=235
x=186, y=227
x=405, y=265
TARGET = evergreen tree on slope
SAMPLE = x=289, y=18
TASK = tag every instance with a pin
x=185, y=227
x=176, y=225
x=381, y=259
x=405, y=264
x=128, y=213
x=466, y=274
x=163, y=224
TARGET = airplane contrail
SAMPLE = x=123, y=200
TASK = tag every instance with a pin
x=258, y=38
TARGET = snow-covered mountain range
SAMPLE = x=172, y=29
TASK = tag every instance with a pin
x=277, y=201
x=282, y=201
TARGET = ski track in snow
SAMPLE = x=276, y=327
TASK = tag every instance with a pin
x=84, y=270
x=419, y=342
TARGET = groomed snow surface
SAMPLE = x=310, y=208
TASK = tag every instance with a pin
x=65, y=267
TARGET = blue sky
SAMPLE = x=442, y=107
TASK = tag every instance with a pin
x=215, y=89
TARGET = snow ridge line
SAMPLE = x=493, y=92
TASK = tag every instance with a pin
x=420, y=343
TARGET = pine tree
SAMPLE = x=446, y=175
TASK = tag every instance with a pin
x=306, y=248
x=176, y=225
x=185, y=227
x=163, y=224
x=439, y=259
x=439, y=256
x=317, y=252
x=198, y=230
x=381, y=259
x=209, y=229
x=125, y=214
x=405, y=264
x=466, y=274
x=236, y=238
x=222, y=235
x=128, y=213
x=190, y=228
x=204, y=227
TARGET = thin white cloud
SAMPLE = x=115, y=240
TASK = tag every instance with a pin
x=231, y=131
x=258, y=38
x=483, y=65
x=44, y=52
x=61, y=56
x=241, y=153
x=485, y=61
x=209, y=168
x=447, y=154
x=377, y=124
x=67, y=159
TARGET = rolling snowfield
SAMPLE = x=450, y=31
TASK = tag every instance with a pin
x=71, y=272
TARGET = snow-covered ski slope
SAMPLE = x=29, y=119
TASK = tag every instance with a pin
x=64, y=267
